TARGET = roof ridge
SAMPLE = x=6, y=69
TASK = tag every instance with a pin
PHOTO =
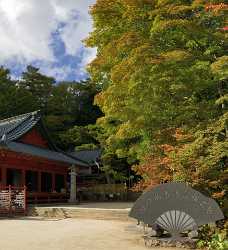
x=18, y=116
x=15, y=122
x=73, y=157
x=86, y=150
x=34, y=121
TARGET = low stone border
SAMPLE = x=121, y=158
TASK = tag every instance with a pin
x=187, y=243
x=80, y=212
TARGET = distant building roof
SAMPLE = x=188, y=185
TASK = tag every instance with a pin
x=90, y=156
x=13, y=128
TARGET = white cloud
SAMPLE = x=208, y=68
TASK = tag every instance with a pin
x=88, y=56
x=59, y=73
x=74, y=32
x=26, y=28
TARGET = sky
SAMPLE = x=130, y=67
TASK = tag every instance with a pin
x=47, y=34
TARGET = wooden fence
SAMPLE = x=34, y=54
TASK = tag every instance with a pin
x=12, y=201
x=104, y=192
x=108, y=188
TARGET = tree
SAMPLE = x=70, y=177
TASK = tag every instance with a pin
x=84, y=93
x=203, y=161
x=39, y=85
x=71, y=104
x=13, y=100
x=81, y=137
x=7, y=89
x=155, y=65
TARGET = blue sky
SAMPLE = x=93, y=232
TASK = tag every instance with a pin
x=47, y=34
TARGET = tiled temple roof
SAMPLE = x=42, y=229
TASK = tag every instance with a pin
x=13, y=128
x=90, y=156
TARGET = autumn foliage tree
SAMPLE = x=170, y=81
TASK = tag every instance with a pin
x=162, y=67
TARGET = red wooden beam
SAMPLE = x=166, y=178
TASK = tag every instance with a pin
x=22, y=161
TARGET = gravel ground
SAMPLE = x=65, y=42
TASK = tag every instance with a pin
x=69, y=234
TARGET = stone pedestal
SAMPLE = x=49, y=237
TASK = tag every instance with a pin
x=167, y=242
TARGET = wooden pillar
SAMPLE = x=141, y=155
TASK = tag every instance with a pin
x=73, y=182
x=53, y=181
x=39, y=181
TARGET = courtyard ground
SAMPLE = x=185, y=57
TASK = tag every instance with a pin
x=34, y=233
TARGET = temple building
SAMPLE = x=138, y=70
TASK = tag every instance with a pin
x=29, y=158
x=92, y=175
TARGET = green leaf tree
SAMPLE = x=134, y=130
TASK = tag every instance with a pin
x=156, y=64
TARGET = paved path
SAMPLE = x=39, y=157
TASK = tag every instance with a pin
x=68, y=234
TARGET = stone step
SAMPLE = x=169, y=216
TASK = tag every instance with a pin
x=86, y=213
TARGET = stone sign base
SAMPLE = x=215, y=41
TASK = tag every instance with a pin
x=184, y=242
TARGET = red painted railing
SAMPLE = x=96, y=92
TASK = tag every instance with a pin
x=45, y=197
x=12, y=201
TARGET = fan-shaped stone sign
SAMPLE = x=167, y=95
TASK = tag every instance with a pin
x=175, y=208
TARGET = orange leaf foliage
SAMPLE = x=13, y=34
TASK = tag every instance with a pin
x=219, y=195
x=158, y=168
x=155, y=170
x=216, y=7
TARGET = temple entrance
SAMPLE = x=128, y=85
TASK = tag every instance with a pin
x=41, y=187
x=31, y=180
x=59, y=183
x=46, y=182
x=14, y=177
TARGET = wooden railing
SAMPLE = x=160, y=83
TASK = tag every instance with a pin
x=40, y=197
x=12, y=200
x=108, y=188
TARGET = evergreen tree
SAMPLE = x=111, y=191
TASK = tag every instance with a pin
x=39, y=85
x=71, y=104
x=13, y=100
x=7, y=89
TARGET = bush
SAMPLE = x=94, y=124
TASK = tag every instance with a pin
x=213, y=238
x=218, y=242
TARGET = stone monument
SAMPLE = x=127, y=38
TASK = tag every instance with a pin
x=174, y=211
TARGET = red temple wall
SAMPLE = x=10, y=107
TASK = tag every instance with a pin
x=20, y=161
x=33, y=137
x=13, y=160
